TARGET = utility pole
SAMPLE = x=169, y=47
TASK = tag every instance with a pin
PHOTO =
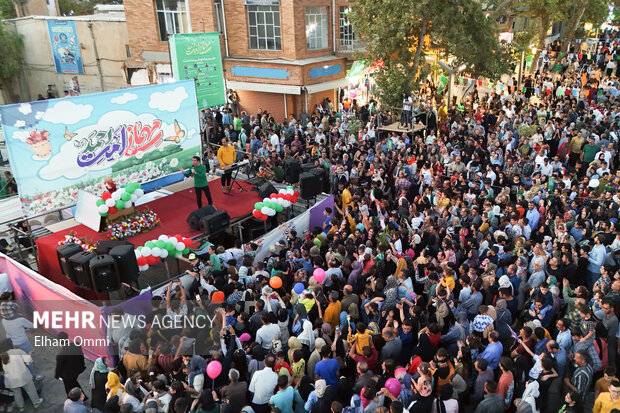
x=92, y=35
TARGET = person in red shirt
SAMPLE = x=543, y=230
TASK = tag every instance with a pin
x=282, y=364
x=525, y=334
x=506, y=383
x=369, y=355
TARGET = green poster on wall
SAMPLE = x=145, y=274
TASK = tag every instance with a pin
x=197, y=56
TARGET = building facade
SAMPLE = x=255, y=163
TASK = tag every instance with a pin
x=285, y=56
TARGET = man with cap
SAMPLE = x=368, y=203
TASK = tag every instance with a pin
x=197, y=272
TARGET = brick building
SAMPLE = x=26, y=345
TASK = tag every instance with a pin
x=282, y=55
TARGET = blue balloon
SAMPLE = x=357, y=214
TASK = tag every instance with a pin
x=298, y=288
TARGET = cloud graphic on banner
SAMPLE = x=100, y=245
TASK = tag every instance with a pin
x=21, y=135
x=39, y=115
x=124, y=98
x=67, y=113
x=64, y=163
x=19, y=124
x=168, y=101
x=25, y=108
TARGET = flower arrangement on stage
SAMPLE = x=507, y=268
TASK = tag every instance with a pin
x=157, y=249
x=117, y=199
x=275, y=203
x=141, y=222
x=85, y=242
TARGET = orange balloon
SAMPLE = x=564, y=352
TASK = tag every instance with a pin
x=275, y=282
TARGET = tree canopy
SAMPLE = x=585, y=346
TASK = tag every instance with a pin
x=12, y=52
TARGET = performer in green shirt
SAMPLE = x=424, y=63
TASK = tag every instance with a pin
x=199, y=172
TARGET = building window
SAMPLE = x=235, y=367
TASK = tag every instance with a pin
x=264, y=27
x=316, y=28
x=172, y=18
x=347, y=36
x=219, y=24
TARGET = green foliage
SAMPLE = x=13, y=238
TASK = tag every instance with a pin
x=12, y=52
x=393, y=30
x=7, y=9
x=354, y=126
x=526, y=130
x=76, y=7
x=596, y=12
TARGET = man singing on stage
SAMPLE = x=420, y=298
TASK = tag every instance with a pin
x=226, y=157
x=199, y=172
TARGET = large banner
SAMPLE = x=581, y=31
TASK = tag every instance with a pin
x=65, y=46
x=59, y=146
x=197, y=56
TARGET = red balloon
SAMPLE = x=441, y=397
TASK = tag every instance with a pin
x=257, y=213
x=281, y=196
x=294, y=200
x=152, y=260
x=106, y=195
x=178, y=237
x=295, y=193
x=142, y=261
x=288, y=197
x=263, y=217
x=112, y=210
x=272, y=196
x=187, y=242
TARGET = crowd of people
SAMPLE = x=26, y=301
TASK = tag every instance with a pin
x=471, y=267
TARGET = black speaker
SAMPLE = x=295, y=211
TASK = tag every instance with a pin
x=104, y=274
x=126, y=263
x=64, y=252
x=292, y=169
x=266, y=189
x=194, y=218
x=307, y=167
x=80, y=268
x=104, y=246
x=215, y=223
x=309, y=185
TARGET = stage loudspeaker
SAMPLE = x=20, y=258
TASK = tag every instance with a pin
x=215, y=223
x=126, y=263
x=266, y=189
x=292, y=169
x=307, y=167
x=64, y=252
x=104, y=246
x=309, y=185
x=194, y=218
x=80, y=268
x=104, y=274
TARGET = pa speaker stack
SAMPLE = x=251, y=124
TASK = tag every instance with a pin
x=126, y=262
x=194, y=218
x=215, y=223
x=104, y=274
x=64, y=252
x=292, y=169
x=310, y=184
x=80, y=269
x=265, y=189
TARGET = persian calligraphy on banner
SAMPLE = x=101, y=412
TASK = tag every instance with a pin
x=197, y=56
x=57, y=147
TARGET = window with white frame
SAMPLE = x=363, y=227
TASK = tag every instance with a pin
x=171, y=17
x=316, y=28
x=347, y=36
x=218, y=11
x=264, y=27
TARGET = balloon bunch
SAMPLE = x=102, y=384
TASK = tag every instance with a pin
x=275, y=203
x=122, y=198
x=160, y=248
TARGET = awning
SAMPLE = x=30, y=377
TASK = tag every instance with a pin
x=356, y=68
x=333, y=84
x=264, y=87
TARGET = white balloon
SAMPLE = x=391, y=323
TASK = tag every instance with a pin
x=174, y=240
x=128, y=204
x=164, y=253
x=109, y=202
x=146, y=251
x=102, y=208
x=286, y=204
x=163, y=238
x=138, y=254
x=116, y=195
x=121, y=190
x=138, y=192
x=265, y=210
x=180, y=246
x=144, y=267
x=271, y=212
x=282, y=191
x=290, y=191
x=266, y=200
x=134, y=197
x=156, y=252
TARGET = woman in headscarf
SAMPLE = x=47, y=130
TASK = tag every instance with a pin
x=98, y=379
x=391, y=294
x=17, y=375
x=205, y=403
x=458, y=332
x=114, y=386
x=293, y=344
x=356, y=272
x=503, y=320
x=315, y=357
x=303, y=328
x=527, y=403
x=133, y=393
x=326, y=333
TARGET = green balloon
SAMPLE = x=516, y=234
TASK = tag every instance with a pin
x=160, y=244
x=103, y=214
x=317, y=242
x=139, y=248
x=100, y=202
x=120, y=204
x=177, y=254
x=258, y=205
x=126, y=196
x=185, y=251
x=149, y=244
x=272, y=204
x=278, y=207
x=169, y=246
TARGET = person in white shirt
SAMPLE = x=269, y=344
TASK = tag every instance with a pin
x=320, y=136
x=268, y=332
x=275, y=141
x=176, y=309
x=264, y=382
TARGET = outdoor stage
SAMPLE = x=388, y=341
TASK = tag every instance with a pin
x=395, y=127
x=173, y=211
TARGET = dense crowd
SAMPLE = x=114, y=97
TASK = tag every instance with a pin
x=471, y=267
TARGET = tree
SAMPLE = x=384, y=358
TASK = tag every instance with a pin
x=400, y=32
x=12, y=52
x=7, y=9
x=581, y=11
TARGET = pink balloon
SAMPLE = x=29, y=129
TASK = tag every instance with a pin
x=319, y=275
x=393, y=386
x=214, y=369
x=401, y=371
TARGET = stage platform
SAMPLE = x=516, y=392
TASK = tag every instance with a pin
x=395, y=127
x=173, y=211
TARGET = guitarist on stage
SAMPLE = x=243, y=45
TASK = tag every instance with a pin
x=226, y=157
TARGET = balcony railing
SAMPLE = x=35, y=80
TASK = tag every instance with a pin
x=349, y=46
